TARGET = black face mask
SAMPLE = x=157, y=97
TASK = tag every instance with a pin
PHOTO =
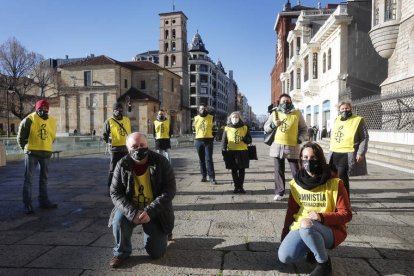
x=139, y=154
x=117, y=114
x=203, y=113
x=346, y=114
x=286, y=107
x=42, y=114
x=161, y=118
x=312, y=166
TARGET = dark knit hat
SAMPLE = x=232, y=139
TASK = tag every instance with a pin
x=117, y=105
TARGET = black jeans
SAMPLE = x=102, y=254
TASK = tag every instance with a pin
x=280, y=173
x=115, y=157
x=340, y=161
x=238, y=177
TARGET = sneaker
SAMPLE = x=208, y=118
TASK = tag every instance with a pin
x=324, y=269
x=48, y=205
x=204, y=179
x=28, y=209
x=242, y=191
x=278, y=197
x=213, y=181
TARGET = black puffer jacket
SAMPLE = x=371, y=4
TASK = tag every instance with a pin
x=163, y=189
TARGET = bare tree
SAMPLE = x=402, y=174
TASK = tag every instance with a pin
x=16, y=64
x=44, y=75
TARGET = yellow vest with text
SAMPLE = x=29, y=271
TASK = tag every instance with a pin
x=320, y=199
x=234, y=136
x=287, y=131
x=162, y=129
x=119, y=134
x=42, y=133
x=203, y=126
x=142, y=195
x=343, y=134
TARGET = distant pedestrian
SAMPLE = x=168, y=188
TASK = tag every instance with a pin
x=75, y=132
x=36, y=135
x=203, y=127
x=315, y=133
x=115, y=131
x=142, y=191
x=291, y=131
x=236, y=137
x=318, y=210
x=310, y=134
x=324, y=132
x=349, y=144
x=93, y=132
x=162, y=134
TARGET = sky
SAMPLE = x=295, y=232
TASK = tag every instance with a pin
x=239, y=33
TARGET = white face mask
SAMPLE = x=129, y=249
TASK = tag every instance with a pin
x=234, y=120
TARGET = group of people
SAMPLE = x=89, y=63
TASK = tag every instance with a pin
x=141, y=182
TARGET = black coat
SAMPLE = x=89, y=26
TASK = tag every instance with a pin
x=236, y=159
x=163, y=189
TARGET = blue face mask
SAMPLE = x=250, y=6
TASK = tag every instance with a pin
x=139, y=154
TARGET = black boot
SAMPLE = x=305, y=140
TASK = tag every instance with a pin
x=323, y=269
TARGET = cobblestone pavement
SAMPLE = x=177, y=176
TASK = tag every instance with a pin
x=216, y=232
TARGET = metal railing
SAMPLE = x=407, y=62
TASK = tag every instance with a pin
x=391, y=111
x=79, y=145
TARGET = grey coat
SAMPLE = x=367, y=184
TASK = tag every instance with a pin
x=360, y=147
x=163, y=189
x=285, y=151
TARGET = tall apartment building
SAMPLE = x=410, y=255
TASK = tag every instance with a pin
x=209, y=83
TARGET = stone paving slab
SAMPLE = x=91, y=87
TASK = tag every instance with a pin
x=216, y=232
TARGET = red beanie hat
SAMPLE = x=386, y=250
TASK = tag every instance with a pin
x=41, y=103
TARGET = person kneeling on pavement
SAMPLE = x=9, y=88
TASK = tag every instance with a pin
x=142, y=190
x=318, y=210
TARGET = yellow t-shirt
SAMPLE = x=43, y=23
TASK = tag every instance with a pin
x=142, y=195
x=287, y=131
x=203, y=126
x=343, y=134
x=42, y=133
x=118, y=133
x=234, y=136
x=162, y=129
x=320, y=199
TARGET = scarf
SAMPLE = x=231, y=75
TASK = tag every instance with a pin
x=307, y=182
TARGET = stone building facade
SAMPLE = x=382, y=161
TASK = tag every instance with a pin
x=90, y=87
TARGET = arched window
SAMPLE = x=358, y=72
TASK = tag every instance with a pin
x=173, y=33
x=166, y=47
x=166, y=34
x=172, y=60
x=166, y=61
x=173, y=46
x=329, y=58
x=324, y=63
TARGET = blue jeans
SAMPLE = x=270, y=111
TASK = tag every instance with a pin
x=205, y=155
x=298, y=243
x=30, y=163
x=155, y=240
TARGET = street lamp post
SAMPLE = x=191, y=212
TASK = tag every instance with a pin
x=8, y=113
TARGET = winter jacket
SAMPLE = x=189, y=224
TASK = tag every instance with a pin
x=163, y=189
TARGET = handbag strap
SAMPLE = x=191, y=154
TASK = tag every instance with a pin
x=120, y=125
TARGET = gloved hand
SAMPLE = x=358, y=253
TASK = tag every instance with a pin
x=246, y=140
